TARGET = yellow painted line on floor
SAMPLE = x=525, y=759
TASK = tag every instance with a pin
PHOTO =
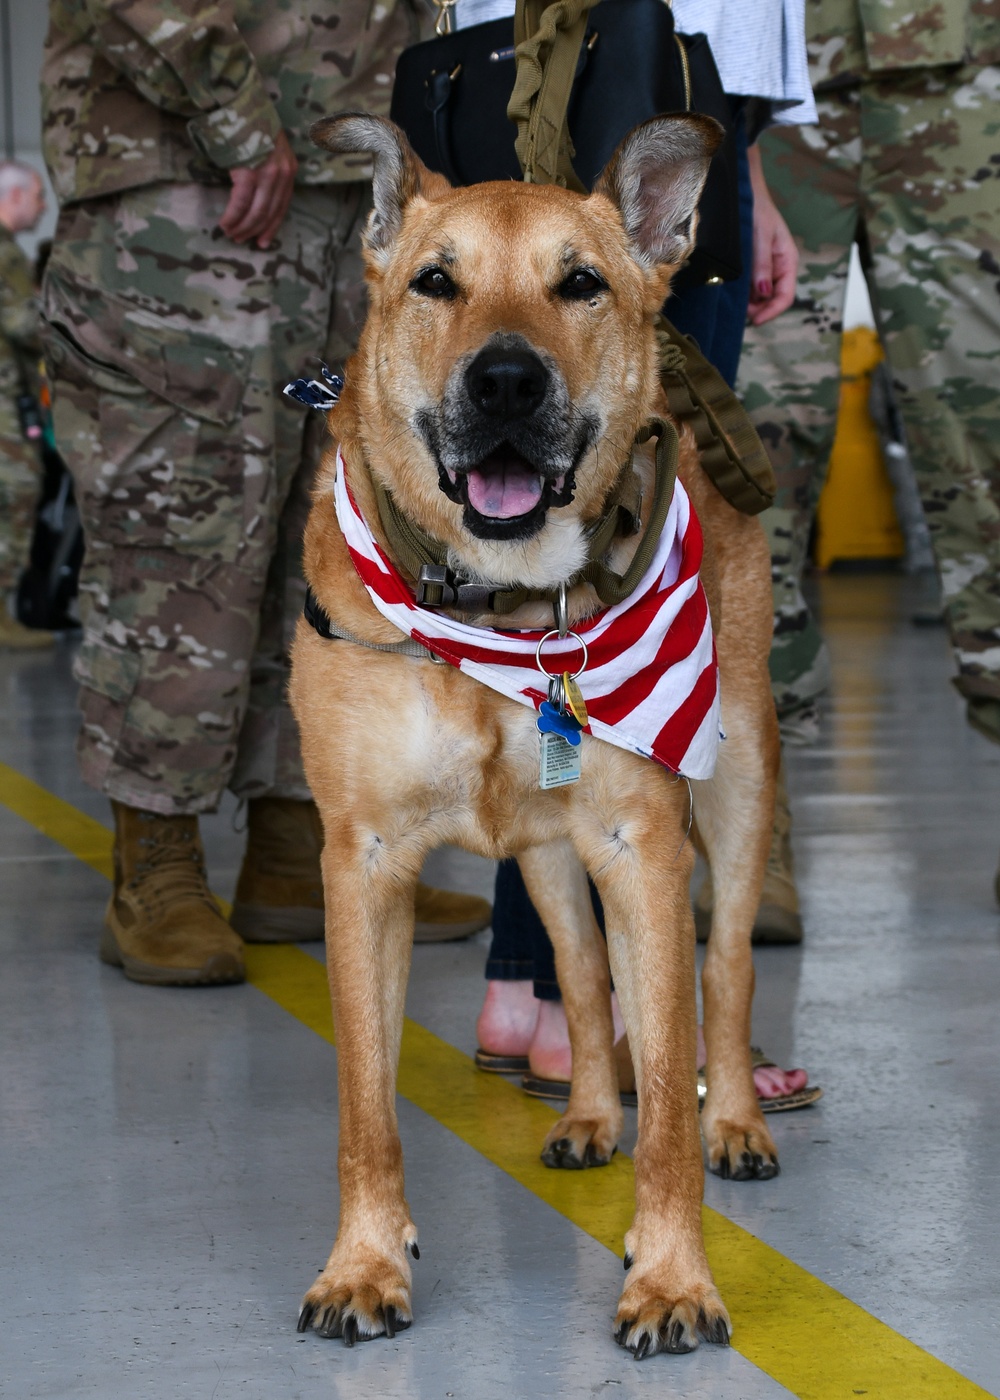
x=804, y=1334
x=70, y=828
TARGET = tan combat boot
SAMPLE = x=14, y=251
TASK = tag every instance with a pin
x=279, y=894
x=14, y=636
x=778, y=919
x=444, y=916
x=162, y=925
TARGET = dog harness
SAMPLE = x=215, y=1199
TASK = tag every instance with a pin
x=651, y=682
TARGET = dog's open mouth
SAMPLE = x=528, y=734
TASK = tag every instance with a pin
x=505, y=496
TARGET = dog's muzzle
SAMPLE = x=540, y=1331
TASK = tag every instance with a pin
x=504, y=447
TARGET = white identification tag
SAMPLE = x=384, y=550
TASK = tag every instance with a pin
x=559, y=761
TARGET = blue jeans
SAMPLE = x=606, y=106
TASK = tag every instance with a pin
x=715, y=317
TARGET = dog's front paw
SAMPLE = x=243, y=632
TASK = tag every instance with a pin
x=360, y=1294
x=575, y=1143
x=740, y=1151
x=655, y=1316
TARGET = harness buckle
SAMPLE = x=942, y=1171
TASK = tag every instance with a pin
x=434, y=587
x=475, y=596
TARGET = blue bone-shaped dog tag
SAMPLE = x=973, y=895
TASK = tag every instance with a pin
x=553, y=721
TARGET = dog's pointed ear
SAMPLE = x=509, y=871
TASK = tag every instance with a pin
x=398, y=173
x=655, y=178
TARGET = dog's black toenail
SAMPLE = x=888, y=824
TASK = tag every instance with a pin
x=389, y=1318
x=718, y=1333
x=642, y=1349
x=675, y=1341
x=305, y=1317
x=627, y=1261
x=350, y=1330
x=414, y=1250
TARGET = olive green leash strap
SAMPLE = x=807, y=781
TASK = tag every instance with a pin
x=614, y=588
x=731, y=453
x=547, y=42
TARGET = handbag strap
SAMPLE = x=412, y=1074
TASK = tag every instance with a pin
x=547, y=41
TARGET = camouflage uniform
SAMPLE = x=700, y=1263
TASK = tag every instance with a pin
x=169, y=346
x=20, y=463
x=906, y=157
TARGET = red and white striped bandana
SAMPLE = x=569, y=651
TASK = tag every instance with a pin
x=651, y=684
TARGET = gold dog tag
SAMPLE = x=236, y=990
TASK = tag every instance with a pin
x=574, y=699
x=559, y=761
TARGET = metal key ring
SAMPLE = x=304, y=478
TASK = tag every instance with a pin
x=555, y=633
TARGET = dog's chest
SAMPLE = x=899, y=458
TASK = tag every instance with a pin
x=449, y=753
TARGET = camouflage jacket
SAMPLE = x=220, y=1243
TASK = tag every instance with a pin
x=852, y=39
x=20, y=347
x=137, y=91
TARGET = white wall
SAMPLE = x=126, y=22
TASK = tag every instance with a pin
x=857, y=303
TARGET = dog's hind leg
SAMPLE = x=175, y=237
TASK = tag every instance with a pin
x=588, y=1132
x=642, y=873
x=364, y=1290
x=733, y=816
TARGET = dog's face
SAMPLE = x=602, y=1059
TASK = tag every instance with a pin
x=508, y=358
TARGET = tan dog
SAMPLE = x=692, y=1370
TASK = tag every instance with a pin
x=522, y=316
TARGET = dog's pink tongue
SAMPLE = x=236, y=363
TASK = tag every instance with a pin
x=503, y=488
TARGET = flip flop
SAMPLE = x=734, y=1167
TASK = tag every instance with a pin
x=500, y=1064
x=558, y=1089
x=784, y=1103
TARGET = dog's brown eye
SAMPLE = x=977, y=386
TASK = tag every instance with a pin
x=433, y=282
x=582, y=282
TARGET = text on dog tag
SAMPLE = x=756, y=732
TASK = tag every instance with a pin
x=558, y=761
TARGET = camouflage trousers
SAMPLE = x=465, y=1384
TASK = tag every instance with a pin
x=909, y=166
x=20, y=483
x=168, y=347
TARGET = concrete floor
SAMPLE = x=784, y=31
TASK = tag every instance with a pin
x=167, y=1158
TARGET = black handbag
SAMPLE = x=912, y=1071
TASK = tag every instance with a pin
x=451, y=96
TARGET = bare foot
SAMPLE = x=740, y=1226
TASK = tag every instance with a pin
x=770, y=1083
x=507, y=1021
x=550, y=1056
x=514, y=1022
x=773, y=1083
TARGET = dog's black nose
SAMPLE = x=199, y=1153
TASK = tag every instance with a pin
x=507, y=383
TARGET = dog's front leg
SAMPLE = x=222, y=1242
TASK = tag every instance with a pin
x=364, y=1290
x=734, y=812
x=588, y=1132
x=670, y=1299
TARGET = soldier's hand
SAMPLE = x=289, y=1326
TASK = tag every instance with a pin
x=775, y=253
x=260, y=196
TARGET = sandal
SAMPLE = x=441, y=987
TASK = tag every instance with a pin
x=801, y=1098
x=558, y=1089
x=500, y=1064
